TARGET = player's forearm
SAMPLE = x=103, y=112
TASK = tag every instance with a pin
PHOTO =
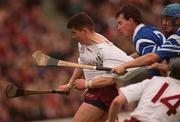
x=100, y=82
x=78, y=73
x=115, y=106
x=142, y=61
x=113, y=112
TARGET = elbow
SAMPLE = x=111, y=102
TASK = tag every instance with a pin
x=110, y=81
x=152, y=58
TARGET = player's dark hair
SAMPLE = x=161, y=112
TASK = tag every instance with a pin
x=130, y=11
x=174, y=68
x=81, y=20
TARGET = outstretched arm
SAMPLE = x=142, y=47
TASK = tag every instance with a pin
x=81, y=84
x=147, y=59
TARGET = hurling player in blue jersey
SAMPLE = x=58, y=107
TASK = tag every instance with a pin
x=171, y=48
x=146, y=38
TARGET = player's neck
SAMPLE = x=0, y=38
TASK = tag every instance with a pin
x=95, y=38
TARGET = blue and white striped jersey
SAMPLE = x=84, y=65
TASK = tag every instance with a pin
x=171, y=48
x=147, y=39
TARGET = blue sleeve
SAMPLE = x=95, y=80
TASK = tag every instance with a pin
x=148, y=40
x=145, y=46
x=169, y=49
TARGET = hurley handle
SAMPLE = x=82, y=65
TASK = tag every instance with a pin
x=103, y=68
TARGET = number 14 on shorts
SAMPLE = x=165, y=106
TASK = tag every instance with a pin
x=165, y=100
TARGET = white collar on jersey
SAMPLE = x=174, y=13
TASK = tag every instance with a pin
x=137, y=29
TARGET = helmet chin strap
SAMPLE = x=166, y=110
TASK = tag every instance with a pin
x=174, y=22
x=169, y=33
x=175, y=26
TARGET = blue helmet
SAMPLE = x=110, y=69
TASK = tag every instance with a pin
x=172, y=10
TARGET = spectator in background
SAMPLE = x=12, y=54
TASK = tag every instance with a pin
x=24, y=29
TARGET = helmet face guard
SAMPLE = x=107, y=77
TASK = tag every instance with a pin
x=172, y=10
x=168, y=26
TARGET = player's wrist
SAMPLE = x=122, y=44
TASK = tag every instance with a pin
x=70, y=85
x=88, y=84
x=124, y=68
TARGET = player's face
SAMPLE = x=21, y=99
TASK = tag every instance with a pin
x=167, y=25
x=78, y=35
x=125, y=27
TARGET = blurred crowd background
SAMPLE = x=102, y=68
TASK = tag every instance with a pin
x=30, y=25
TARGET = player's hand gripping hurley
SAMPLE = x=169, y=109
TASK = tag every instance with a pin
x=41, y=59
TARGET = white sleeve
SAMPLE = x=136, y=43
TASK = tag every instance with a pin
x=113, y=56
x=79, y=49
x=134, y=92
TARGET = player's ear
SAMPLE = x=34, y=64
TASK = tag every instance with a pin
x=85, y=30
x=131, y=21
